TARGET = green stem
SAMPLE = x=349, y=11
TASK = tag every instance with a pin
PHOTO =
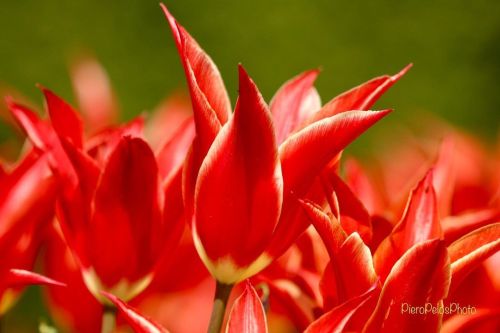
x=222, y=292
x=108, y=319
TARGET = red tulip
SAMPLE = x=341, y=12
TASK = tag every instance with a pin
x=111, y=207
x=245, y=170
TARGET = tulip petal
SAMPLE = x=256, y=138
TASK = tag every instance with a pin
x=361, y=186
x=239, y=189
x=36, y=129
x=335, y=320
x=208, y=93
x=173, y=153
x=303, y=156
x=457, y=226
x=290, y=299
x=420, y=222
x=21, y=278
x=469, y=251
x=353, y=215
x=211, y=106
x=66, y=122
x=28, y=195
x=126, y=214
x=361, y=97
x=328, y=228
x=420, y=277
x=137, y=322
x=42, y=136
x=247, y=314
x=287, y=104
x=75, y=200
x=350, y=271
x=354, y=268
x=101, y=145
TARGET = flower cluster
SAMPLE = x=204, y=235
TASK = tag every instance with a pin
x=145, y=221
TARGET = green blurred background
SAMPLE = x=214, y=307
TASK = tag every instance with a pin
x=454, y=45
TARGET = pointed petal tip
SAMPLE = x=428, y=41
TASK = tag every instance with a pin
x=40, y=86
x=402, y=72
x=427, y=180
x=242, y=72
x=245, y=81
x=9, y=100
x=377, y=114
x=167, y=13
x=46, y=91
x=174, y=26
x=24, y=277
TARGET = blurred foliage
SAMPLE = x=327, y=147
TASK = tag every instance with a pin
x=454, y=45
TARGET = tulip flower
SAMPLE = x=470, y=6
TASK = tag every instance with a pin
x=140, y=218
x=264, y=169
x=405, y=259
x=111, y=207
x=266, y=156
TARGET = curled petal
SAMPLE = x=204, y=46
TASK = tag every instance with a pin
x=359, y=98
x=349, y=274
x=287, y=105
x=353, y=215
x=469, y=251
x=421, y=277
x=328, y=228
x=247, y=314
x=354, y=268
x=350, y=271
x=139, y=323
x=239, y=189
x=304, y=154
x=420, y=222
